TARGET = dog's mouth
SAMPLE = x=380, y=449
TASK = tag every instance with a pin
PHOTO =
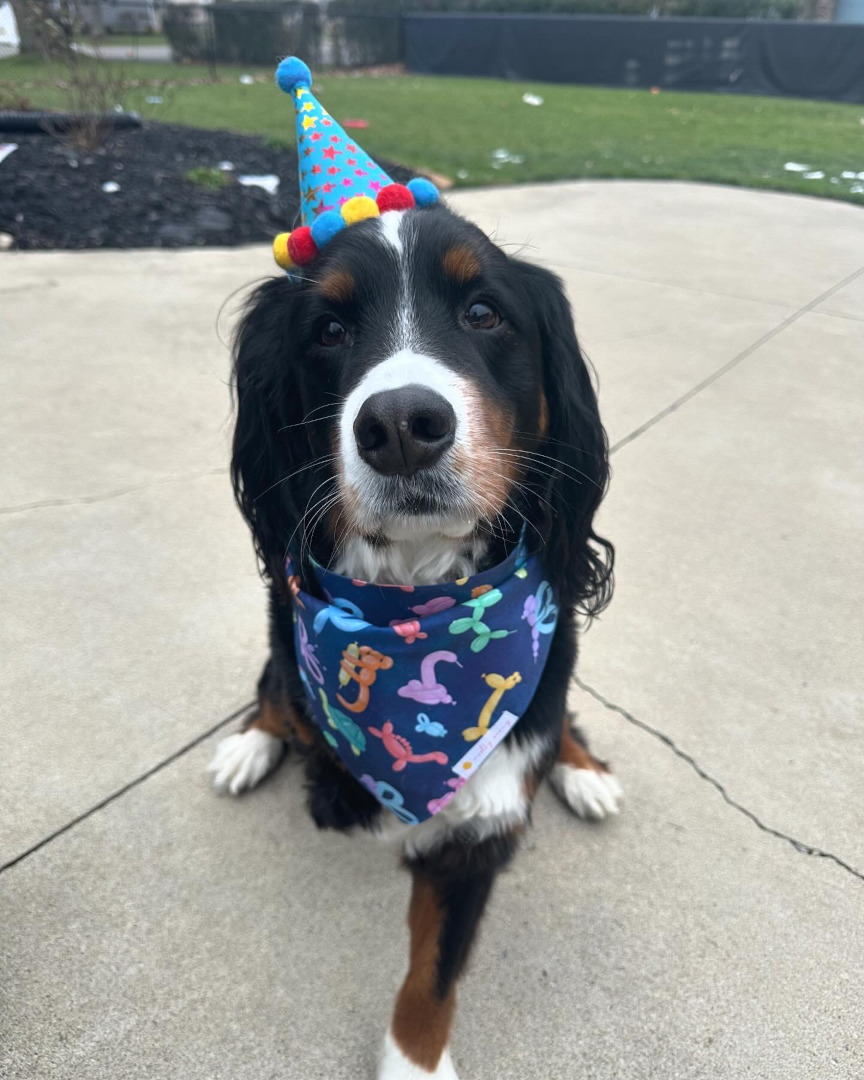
x=400, y=507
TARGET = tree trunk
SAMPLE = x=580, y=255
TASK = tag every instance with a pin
x=28, y=27
x=46, y=29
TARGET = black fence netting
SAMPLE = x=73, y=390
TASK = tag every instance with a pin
x=787, y=47
x=802, y=59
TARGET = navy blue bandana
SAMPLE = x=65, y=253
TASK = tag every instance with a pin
x=414, y=686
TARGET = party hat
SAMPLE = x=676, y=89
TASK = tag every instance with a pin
x=339, y=183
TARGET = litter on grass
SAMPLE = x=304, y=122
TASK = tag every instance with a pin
x=814, y=175
x=270, y=182
x=247, y=80
x=504, y=157
x=532, y=99
x=794, y=166
x=154, y=100
x=462, y=174
x=355, y=124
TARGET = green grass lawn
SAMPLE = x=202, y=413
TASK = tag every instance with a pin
x=453, y=126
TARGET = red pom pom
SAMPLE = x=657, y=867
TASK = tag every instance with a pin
x=395, y=197
x=301, y=246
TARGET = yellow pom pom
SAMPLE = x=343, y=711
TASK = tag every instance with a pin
x=280, y=251
x=359, y=208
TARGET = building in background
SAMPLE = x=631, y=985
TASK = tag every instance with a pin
x=9, y=40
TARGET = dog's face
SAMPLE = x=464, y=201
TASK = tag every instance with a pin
x=414, y=329
x=416, y=381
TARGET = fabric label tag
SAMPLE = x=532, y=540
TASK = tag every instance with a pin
x=478, y=753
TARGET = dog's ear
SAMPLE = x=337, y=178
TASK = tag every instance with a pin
x=268, y=439
x=579, y=561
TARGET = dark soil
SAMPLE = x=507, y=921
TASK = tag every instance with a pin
x=51, y=196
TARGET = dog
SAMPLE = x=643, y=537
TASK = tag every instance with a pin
x=407, y=409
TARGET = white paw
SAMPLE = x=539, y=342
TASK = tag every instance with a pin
x=244, y=759
x=588, y=793
x=395, y=1066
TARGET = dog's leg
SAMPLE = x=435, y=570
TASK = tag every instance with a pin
x=243, y=759
x=450, y=888
x=335, y=799
x=584, y=783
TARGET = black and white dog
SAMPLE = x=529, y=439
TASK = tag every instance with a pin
x=405, y=411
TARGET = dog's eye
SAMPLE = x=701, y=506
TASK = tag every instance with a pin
x=331, y=332
x=482, y=316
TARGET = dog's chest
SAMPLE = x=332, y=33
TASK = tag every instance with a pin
x=424, y=561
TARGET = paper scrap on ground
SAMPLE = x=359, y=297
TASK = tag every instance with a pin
x=247, y=80
x=794, y=166
x=6, y=149
x=814, y=175
x=110, y=186
x=532, y=99
x=154, y=100
x=226, y=166
x=504, y=157
x=270, y=182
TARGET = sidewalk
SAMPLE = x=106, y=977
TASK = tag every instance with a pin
x=168, y=934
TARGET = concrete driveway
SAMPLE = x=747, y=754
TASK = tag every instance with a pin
x=139, y=51
x=151, y=930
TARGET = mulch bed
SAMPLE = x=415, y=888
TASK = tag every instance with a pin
x=51, y=196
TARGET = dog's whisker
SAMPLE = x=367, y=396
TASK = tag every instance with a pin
x=555, y=463
x=552, y=439
x=318, y=420
x=317, y=463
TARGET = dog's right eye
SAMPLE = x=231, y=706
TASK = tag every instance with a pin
x=331, y=332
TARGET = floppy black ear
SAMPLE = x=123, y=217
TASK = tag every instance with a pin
x=268, y=439
x=579, y=561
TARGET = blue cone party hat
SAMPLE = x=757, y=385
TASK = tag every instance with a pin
x=339, y=183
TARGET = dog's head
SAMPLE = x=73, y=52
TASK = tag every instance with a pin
x=418, y=381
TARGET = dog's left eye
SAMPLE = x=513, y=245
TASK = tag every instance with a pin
x=331, y=332
x=482, y=316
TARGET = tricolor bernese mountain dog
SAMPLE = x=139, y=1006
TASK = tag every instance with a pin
x=407, y=409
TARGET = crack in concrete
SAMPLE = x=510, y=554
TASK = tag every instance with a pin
x=158, y=767
x=84, y=500
x=798, y=845
x=734, y=362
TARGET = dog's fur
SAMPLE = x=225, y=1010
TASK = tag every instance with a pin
x=389, y=303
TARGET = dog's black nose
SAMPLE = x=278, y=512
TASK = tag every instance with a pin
x=402, y=431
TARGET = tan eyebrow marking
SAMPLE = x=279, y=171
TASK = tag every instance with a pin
x=337, y=286
x=543, y=417
x=461, y=264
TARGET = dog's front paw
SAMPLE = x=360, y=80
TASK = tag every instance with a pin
x=394, y=1065
x=244, y=759
x=590, y=793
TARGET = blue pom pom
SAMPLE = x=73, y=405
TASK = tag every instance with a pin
x=424, y=191
x=325, y=227
x=291, y=73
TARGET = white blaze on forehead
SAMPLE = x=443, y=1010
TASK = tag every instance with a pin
x=397, y=237
x=390, y=225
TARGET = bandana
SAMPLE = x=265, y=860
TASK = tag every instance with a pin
x=414, y=686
